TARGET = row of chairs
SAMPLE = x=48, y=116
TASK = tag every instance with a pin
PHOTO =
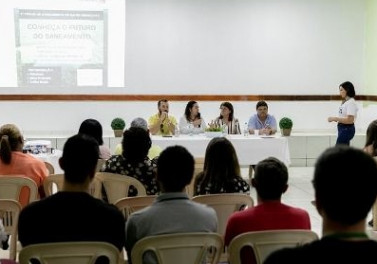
x=190, y=248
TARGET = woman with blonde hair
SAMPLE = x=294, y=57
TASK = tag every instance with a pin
x=14, y=162
x=221, y=172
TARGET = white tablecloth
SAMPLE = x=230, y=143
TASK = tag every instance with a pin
x=250, y=150
x=52, y=158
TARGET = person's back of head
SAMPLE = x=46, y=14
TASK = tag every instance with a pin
x=79, y=160
x=220, y=164
x=175, y=168
x=92, y=128
x=371, y=137
x=139, y=122
x=271, y=179
x=10, y=140
x=345, y=184
x=136, y=144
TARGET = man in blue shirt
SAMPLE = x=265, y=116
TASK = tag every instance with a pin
x=262, y=121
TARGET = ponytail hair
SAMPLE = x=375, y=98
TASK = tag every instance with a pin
x=10, y=139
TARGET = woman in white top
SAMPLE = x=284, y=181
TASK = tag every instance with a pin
x=347, y=114
x=192, y=122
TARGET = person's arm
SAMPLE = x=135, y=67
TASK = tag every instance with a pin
x=349, y=119
x=155, y=123
x=251, y=125
x=183, y=125
x=171, y=124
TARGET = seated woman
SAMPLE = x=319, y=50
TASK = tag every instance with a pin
x=221, y=172
x=14, y=162
x=134, y=161
x=227, y=119
x=192, y=122
x=93, y=128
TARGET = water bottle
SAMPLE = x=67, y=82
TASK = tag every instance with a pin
x=176, y=131
x=246, y=130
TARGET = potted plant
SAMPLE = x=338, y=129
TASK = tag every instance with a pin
x=285, y=125
x=118, y=124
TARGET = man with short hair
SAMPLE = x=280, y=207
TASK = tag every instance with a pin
x=262, y=120
x=73, y=214
x=270, y=182
x=172, y=211
x=162, y=123
x=345, y=188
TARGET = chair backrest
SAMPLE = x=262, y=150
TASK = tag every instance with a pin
x=9, y=212
x=69, y=252
x=199, y=164
x=129, y=205
x=264, y=243
x=182, y=248
x=50, y=168
x=54, y=183
x=50, y=181
x=11, y=186
x=225, y=204
x=117, y=185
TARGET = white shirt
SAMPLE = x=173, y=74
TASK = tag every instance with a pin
x=349, y=107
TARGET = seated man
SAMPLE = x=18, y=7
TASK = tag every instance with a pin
x=162, y=123
x=154, y=150
x=270, y=182
x=345, y=188
x=72, y=214
x=173, y=211
x=262, y=121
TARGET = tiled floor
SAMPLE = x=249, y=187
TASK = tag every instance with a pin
x=300, y=194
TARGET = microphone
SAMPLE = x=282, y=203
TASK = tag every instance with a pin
x=198, y=117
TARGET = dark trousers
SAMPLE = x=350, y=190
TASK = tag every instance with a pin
x=345, y=134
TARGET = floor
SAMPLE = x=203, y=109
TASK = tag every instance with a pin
x=300, y=194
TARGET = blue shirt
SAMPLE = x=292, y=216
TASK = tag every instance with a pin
x=256, y=123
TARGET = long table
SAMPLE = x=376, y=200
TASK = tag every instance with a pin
x=250, y=149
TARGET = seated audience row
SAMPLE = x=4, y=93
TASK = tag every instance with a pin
x=73, y=215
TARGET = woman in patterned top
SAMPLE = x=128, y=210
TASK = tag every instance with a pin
x=134, y=161
x=221, y=172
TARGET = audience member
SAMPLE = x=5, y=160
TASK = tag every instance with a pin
x=270, y=182
x=371, y=145
x=134, y=161
x=227, y=119
x=262, y=120
x=173, y=211
x=162, y=123
x=73, y=214
x=221, y=172
x=344, y=196
x=192, y=122
x=93, y=128
x=154, y=150
x=14, y=162
x=347, y=114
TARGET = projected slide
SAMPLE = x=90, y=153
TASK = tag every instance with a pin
x=61, y=48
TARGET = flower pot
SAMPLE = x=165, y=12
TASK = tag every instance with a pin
x=285, y=131
x=118, y=133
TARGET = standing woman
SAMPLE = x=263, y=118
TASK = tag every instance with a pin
x=192, y=122
x=221, y=172
x=347, y=114
x=227, y=119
